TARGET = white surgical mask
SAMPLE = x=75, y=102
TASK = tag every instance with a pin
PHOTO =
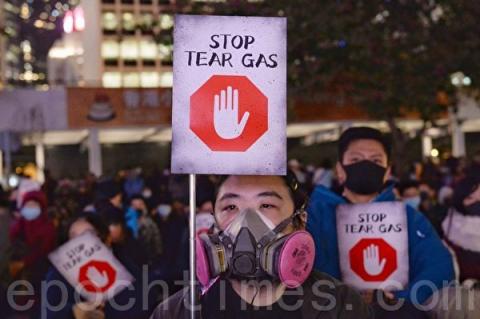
x=30, y=213
x=147, y=193
x=164, y=210
x=413, y=201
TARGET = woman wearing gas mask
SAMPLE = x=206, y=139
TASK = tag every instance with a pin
x=258, y=261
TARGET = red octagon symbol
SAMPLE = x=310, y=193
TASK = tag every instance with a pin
x=386, y=252
x=97, y=276
x=250, y=99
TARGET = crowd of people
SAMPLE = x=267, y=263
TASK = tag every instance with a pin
x=144, y=220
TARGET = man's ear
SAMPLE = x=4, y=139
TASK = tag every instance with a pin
x=341, y=175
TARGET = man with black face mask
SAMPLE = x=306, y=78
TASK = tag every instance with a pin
x=258, y=262
x=363, y=169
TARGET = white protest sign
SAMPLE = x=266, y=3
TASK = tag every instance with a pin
x=91, y=268
x=229, y=95
x=373, y=245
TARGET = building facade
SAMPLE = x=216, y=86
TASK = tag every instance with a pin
x=9, y=43
x=115, y=43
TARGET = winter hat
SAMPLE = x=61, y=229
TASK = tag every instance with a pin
x=36, y=196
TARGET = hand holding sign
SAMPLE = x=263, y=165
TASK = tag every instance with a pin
x=371, y=260
x=100, y=280
x=225, y=118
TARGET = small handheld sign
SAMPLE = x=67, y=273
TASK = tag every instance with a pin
x=91, y=268
x=229, y=95
x=373, y=245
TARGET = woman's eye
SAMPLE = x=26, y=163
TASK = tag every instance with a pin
x=230, y=208
x=267, y=206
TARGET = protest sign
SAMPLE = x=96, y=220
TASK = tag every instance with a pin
x=373, y=245
x=229, y=95
x=91, y=268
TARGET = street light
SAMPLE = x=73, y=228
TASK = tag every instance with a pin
x=459, y=79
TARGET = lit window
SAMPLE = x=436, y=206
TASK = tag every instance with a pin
x=131, y=80
x=128, y=21
x=147, y=20
x=148, y=50
x=112, y=79
x=165, y=52
x=109, y=21
x=129, y=50
x=110, y=49
x=166, y=79
x=166, y=21
x=149, y=79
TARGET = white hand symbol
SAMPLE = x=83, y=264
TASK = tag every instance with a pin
x=225, y=115
x=371, y=260
x=100, y=280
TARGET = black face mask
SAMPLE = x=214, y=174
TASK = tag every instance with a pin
x=364, y=177
x=473, y=209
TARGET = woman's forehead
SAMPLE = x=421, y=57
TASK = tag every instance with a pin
x=252, y=185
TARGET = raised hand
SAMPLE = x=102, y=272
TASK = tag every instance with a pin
x=100, y=280
x=371, y=260
x=225, y=115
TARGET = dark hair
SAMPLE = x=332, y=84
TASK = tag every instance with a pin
x=93, y=219
x=406, y=184
x=361, y=133
x=137, y=196
x=299, y=197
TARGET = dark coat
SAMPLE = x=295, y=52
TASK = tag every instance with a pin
x=320, y=292
x=39, y=235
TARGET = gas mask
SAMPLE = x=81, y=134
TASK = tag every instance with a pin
x=252, y=248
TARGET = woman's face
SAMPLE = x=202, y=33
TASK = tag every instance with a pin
x=80, y=227
x=266, y=194
x=32, y=204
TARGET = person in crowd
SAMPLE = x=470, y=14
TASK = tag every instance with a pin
x=254, y=212
x=144, y=228
x=461, y=227
x=424, y=202
x=62, y=302
x=108, y=200
x=4, y=240
x=410, y=193
x=4, y=251
x=295, y=166
x=178, y=187
x=160, y=215
x=134, y=183
x=125, y=246
x=174, y=230
x=324, y=174
x=32, y=237
x=34, y=232
x=363, y=169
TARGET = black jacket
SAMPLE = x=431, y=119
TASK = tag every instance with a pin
x=324, y=298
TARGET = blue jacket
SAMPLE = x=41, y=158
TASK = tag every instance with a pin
x=429, y=258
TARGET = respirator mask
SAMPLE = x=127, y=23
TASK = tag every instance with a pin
x=253, y=248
